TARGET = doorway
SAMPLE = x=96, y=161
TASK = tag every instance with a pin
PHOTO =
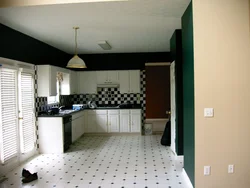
x=157, y=95
x=17, y=117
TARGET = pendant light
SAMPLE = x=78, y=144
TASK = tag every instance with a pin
x=76, y=61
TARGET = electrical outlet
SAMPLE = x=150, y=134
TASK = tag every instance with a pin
x=230, y=169
x=207, y=170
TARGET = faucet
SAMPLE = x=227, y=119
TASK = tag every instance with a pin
x=60, y=108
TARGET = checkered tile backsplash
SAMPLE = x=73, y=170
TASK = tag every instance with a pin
x=107, y=96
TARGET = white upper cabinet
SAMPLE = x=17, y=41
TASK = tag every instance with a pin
x=113, y=76
x=46, y=80
x=73, y=82
x=107, y=77
x=129, y=81
x=87, y=82
x=124, y=81
x=134, y=81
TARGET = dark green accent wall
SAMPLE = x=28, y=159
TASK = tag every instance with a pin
x=188, y=92
x=176, y=55
x=21, y=47
x=123, y=61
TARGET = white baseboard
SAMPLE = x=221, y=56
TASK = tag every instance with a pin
x=179, y=157
x=187, y=180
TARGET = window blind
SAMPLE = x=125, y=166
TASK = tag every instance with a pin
x=8, y=114
x=27, y=113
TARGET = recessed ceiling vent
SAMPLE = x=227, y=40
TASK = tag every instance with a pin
x=104, y=45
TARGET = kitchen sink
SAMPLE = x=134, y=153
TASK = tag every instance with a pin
x=66, y=111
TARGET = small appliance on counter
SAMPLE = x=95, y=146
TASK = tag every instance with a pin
x=79, y=106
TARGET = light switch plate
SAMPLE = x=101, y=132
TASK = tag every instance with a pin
x=207, y=170
x=230, y=169
x=208, y=112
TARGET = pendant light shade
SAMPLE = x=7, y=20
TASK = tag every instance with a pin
x=76, y=61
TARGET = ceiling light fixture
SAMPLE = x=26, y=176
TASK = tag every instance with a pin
x=76, y=61
x=104, y=45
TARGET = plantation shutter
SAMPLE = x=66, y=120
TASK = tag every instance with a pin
x=8, y=114
x=27, y=113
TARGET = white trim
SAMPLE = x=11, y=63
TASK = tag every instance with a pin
x=4, y=62
x=186, y=178
x=158, y=64
x=163, y=119
x=173, y=152
x=179, y=157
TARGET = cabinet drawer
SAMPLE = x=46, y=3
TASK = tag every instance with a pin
x=101, y=112
x=124, y=111
x=135, y=111
x=77, y=115
x=113, y=112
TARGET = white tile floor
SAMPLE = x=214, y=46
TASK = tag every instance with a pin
x=106, y=162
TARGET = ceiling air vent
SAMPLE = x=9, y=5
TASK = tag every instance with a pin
x=104, y=45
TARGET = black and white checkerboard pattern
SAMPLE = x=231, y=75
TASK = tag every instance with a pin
x=107, y=96
x=143, y=95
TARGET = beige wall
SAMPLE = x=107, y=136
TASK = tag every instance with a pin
x=10, y=3
x=222, y=81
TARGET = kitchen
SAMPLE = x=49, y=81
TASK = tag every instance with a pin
x=118, y=89
x=109, y=102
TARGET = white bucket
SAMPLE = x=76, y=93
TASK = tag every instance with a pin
x=148, y=128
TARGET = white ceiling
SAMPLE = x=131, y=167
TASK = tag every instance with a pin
x=128, y=26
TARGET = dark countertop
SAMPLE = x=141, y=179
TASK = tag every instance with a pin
x=98, y=108
x=55, y=115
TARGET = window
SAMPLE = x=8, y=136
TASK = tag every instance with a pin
x=55, y=99
x=17, y=117
x=8, y=115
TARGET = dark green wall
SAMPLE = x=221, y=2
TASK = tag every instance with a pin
x=176, y=55
x=188, y=92
x=18, y=46
x=123, y=61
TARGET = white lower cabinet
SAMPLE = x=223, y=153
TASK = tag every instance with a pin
x=91, y=123
x=135, y=121
x=124, y=121
x=113, y=121
x=78, y=120
x=101, y=123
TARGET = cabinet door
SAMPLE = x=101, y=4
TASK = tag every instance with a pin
x=79, y=128
x=74, y=133
x=134, y=81
x=124, y=121
x=124, y=81
x=91, y=127
x=73, y=82
x=82, y=122
x=113, y=77
x=87, y=82
x=113, y=120
x=135, y=122
x=53, y=80
x=102, y=77
x=101, y=121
